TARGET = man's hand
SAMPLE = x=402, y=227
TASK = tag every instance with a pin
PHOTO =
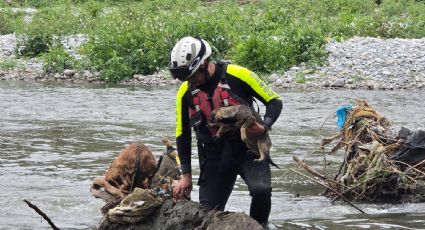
x=255, y=130
x=183, y=188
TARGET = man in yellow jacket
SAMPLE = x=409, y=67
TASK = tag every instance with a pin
x=207, y=86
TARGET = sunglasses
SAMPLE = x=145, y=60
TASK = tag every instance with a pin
x=182, y=73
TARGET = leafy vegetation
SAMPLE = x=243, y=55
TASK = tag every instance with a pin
x=129, y=37
x=57, y=59
x=6, y=25
x=34, y=44
x=8, y=64
x=9, y=21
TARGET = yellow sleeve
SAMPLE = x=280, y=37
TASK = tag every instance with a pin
x=179, y=119
x=254, y=81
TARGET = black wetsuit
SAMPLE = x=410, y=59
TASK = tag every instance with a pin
x=221, y=161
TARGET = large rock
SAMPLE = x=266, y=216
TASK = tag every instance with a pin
x=187, y=215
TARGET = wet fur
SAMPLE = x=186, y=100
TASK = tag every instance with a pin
x=231, y=118
x=121, y=172
x=116, y=183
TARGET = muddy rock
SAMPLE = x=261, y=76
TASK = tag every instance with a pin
x=229, y=220
x=187, y=215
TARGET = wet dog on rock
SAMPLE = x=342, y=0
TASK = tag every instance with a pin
x=230, y=119
x=134, y=167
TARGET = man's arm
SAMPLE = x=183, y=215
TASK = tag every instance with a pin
x=184, y=139
x=273, y=110
x=254, y=86
x=183, y=131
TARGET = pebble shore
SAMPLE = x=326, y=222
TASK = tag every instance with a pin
x=357, y=63
x=364, y=62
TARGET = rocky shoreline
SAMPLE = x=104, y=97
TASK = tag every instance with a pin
x=357, y=63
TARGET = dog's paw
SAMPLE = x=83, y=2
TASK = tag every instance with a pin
x=243, y=135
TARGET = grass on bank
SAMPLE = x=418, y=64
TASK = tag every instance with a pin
x=8, y=64
x=129, y=37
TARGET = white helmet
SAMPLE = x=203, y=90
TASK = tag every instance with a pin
x=187, y=55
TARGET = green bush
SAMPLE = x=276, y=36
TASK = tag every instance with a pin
x=6, y=23
x=93, y=8
x=309, y=44
x=8, y=64
x=39, y=3
x=280, y=50
x=264, y=53
x=56, y=60
x=143, y=43
x=116, y=69
x=10, y=21
x=45, y=29
x=300, y=78
x=125, y=48
x=135, y=36
x=32, y=45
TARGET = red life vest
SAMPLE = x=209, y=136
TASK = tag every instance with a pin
x=220, y=98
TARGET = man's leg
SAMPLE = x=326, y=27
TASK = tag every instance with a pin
x=217, y=179
x=258, y=178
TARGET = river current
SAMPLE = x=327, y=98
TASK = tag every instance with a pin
x=54, y=138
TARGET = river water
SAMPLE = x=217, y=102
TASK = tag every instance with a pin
x=55, y=138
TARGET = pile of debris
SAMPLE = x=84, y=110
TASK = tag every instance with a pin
x=380, y=165
x=138, y=195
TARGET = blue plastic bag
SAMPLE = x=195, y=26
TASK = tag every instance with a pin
x=341, y=113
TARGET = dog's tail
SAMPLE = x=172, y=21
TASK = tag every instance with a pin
x=270, y=161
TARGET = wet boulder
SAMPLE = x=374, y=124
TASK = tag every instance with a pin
x=186, y=215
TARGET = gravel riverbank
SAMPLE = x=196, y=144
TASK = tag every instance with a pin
x=360, y=62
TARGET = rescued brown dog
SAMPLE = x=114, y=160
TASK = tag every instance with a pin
x=133, y=167
x=230, y=119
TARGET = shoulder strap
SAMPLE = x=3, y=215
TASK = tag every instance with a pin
x=224, y=87
x=194, y=98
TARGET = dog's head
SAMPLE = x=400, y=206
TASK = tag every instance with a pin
x=225, y=115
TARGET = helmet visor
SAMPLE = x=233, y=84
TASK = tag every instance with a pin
x=182, y=73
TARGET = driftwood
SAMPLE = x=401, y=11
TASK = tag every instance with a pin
x=333, y=190
x=369, y=172
x=42, y=214
x=308, y=168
